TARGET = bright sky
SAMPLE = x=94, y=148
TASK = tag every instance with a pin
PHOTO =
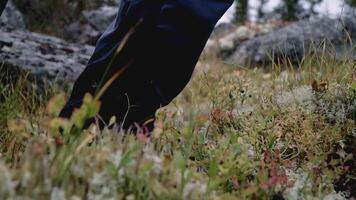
x=328, y=7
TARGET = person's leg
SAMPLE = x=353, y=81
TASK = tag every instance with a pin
x=181, y=34
x=2, y=6
x=115, y=100
x=164, y=57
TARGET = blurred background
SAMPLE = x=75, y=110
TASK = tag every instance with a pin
x=290, y=10
x=62, y=18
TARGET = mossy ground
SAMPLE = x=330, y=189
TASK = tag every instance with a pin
x=234, y=133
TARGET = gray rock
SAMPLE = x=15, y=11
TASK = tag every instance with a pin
x=81, y=32
x=294, y=41
x=226, y=37
x=101, y=18
x=222, y=30
x=45, y=58
x=11, y=18
x=93, y=23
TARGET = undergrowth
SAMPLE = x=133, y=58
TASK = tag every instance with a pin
x=234, y=133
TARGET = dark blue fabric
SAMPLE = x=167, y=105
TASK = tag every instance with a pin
x=165, y=49
x=2, y=6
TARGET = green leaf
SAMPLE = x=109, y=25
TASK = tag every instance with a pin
x=78, y=117
x=353, y=86
x=179, y=161
x=213, y=168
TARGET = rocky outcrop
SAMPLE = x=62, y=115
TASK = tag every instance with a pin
x=101, y=18
x=11, y=18
x=226, y=37
x=222, y=30
x=92, y=24
x=43, y=57
x=294, y=41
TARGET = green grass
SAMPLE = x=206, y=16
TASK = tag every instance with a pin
x=234, y=133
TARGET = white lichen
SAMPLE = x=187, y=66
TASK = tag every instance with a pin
x=194, y=190
x=57, y=194
x=116, y=158
x=7, y=185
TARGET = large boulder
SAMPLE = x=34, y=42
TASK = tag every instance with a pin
x=294, y=41
x=101, y=18
x=91, y=25
x=43, y=57
x=222, y=30
x=226, y=37
x=12, y=18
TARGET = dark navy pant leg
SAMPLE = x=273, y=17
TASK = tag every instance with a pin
x=181, y=34
x=165, y=53
x=2, y=6
x=130, y=12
